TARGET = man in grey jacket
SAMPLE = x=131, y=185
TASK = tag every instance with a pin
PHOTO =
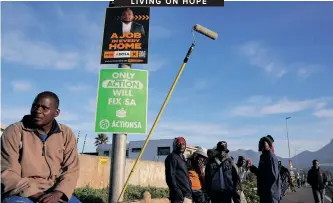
x=222, y=180
x=268, y=176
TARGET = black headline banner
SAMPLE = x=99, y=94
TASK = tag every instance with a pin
x=152, y=3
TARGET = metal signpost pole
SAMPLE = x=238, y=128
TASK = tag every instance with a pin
x=122, y=97
x=118, y=162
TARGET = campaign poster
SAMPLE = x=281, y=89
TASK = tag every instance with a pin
x=126, y=35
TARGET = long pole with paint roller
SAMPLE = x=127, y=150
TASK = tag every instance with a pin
x=202, y=30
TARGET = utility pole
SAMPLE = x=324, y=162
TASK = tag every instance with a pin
x=118, y=161
x=84, y=143
x=288, y=138
x=77, y=139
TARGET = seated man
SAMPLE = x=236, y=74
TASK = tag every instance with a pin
x=39, y=157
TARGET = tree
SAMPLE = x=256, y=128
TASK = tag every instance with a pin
x=101, y=139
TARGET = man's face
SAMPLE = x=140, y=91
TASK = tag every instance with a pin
x=127, y=16
x=266, y=147
x=180, y=147
x=316, y=164
x=43, y=111
x=241, y=162
x=210, y=154
x=221, y=153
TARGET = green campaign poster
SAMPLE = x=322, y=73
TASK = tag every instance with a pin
x=122, y=101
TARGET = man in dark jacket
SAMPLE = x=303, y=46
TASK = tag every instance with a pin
x=285, y=179
x=317, y=179
x=268, y=176
x=176, y=174
x=222, y=180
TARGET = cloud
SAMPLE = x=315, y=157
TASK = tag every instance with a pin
x=79, y=87
x=82, y=126
x=158, y=32
x=91, y=106
x=37, y=54
x=201, y=84
x=27, y=17
x=155, y=63
x=261, y=57
x=81, y=24
x=265, y=58
x=13, y=114
x=262, y=106
x=308, y=70
x=324, y=113
x=22, y=86
x=67, y=116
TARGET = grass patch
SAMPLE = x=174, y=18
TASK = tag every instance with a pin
x=90, y=195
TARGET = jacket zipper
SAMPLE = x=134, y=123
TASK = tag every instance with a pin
x=44, y=155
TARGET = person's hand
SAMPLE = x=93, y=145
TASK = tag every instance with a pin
x=51, y=197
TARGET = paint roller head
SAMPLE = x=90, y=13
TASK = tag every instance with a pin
x=205, y=31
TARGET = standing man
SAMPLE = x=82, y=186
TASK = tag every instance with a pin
x=271, y=141
x=222, y=180
x=39, y=157
x=176, y=174
x=285, y=179
x=241, y=166
x=242, y=173
x=210, y=153
x=317, y=179
x=268, y=177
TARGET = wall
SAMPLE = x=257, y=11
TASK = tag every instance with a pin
x=150, y=153
x=95, y=171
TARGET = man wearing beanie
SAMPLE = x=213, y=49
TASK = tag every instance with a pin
x=222, y=180
x=271, y=141
x=176, y=174
x=268, y=176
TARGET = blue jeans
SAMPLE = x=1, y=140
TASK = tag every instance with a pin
x=19, y=199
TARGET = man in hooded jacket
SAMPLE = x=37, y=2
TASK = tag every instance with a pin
x=268, y=176
x=222, y=180
x=176, y=174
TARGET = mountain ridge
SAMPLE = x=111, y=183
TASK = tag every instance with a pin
x=303, y=159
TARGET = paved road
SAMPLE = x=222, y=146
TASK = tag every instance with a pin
x=329, y=193
x=304, y=195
